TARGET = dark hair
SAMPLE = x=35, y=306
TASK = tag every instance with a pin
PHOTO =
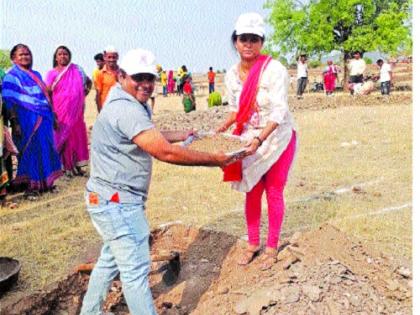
x=99, y=56
x=234, y=37
x=379, y=61
x=184, y=68
x=211, y=68
x=55, y=54
x=16, y=47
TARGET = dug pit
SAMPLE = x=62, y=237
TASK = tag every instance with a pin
x=195, y=272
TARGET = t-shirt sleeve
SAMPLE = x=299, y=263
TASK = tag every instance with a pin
x=133, y=120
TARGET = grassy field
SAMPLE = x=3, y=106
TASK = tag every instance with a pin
x=367, y=147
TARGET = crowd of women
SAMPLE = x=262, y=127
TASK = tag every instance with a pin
x=49, y=134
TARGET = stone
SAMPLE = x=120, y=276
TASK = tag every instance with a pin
x=295, y=237
x=405, y=272
x=223, y=290
x=312, y=292
x=392, y=285
x=291, y=294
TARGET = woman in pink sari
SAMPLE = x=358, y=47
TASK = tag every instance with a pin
x=171, y=82
x=330, y=75
x=257, y=89
x=68, y=85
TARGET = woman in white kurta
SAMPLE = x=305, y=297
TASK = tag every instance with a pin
x=257, y=90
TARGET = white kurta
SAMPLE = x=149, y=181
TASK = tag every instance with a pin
x=273, y=106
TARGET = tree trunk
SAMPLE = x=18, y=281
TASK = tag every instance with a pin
x=346, y=56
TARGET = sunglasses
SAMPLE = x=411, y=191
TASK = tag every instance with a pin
x=140, y=77
x=243, y=38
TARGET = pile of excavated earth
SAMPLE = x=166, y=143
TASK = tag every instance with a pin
x=323, y=271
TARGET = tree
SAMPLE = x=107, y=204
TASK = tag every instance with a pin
x=316, y=27
x=5, y=62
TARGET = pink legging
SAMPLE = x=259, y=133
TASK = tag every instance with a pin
x=273, y=182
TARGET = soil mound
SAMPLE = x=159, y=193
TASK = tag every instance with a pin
x=319, y=272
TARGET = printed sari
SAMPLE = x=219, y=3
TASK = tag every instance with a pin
x=68, y=100
x=171, y=82
x=247, y=107
x=330, y=76
x=38, y=161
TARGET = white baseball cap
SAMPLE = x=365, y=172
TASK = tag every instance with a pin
x=138, y=61
x=110, y=49
x=250, y=23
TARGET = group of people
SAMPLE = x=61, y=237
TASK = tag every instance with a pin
x=358, y=83
x=49, y=134
x=124, y=140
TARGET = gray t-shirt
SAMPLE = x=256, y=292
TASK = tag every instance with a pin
x=117, y=164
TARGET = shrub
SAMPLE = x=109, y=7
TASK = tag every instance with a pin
x=314, y=63
x=367, y=60
x=5, y=62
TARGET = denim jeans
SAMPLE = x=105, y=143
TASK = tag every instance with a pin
x=301, y=85
x=385, y=87
x=125, y=232
x=211, y=87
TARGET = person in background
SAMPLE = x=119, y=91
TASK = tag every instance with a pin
x=32, y=119
x=330, y=77
x=257, y=89
x=356, y=67
x=107, y=76
x=171, y=82
x=188, y=96
x=164, y=82
x=211, y=77
x=68, y=85
x=302, y=76
x=99, y=59
x=385, y=76
x=124, y=140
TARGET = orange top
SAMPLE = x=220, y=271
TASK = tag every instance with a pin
x=211, y=75
x=103, y=83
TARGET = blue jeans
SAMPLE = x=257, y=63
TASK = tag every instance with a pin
x=211, y=87
x=125, y=232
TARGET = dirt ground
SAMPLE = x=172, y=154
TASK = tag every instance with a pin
x=361, y=268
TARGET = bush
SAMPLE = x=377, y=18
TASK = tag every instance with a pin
x=283, y=61
x=5, y=62
x=314, y=63
x=367, y=60
x=215, y=99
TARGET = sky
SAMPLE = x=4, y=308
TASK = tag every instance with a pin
x=191, y=32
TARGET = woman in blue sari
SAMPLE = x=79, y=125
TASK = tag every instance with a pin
x=32, y=121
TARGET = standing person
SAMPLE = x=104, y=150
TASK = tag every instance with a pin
x=32, y=119
x=302, y=75
x=385, y=76
x=257, y=93
x=179, y=74
x=356, y=67
x=124, y=140
x=211, y=77
x=107, y=77
x=99, y=59
x=68, y=85
x=164, y=82
x=171, y=82
x=330, y=76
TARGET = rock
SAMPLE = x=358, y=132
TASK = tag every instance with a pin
x=392, y=285
x=312, y=292
x=295, y=238
x=223, y=290
x=403, y=271
x=290, y=294
x=299, y=253
x=355, y=300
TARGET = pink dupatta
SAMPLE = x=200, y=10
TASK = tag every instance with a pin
x=68, y=100
x=247, y=106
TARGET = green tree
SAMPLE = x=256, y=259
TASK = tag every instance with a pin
x=5, y=62
x=317, y=27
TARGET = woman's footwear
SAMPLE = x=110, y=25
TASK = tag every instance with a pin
x=269, y=258
x=248, y=256
x=32, y=195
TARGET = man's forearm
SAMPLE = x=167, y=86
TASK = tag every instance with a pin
x=175, y=136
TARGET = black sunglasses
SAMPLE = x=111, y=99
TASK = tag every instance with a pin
x=140, y=77
x=243, y=38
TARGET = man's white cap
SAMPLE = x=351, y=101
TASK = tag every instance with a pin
x=138, y=61
x=110, y=49
x=250, y=23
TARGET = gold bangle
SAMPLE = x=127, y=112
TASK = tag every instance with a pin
x=259, y=140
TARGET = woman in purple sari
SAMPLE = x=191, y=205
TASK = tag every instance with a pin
x=32, y=120
x=68, y=85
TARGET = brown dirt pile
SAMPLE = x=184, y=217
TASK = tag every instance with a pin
x=318, y=272
x=213, y=144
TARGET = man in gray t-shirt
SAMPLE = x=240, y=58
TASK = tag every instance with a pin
x=124, y=140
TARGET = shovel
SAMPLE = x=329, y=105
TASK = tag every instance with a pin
x=172, y=268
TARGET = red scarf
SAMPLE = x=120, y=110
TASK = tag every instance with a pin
x=247, y=106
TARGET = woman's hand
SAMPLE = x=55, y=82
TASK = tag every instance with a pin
x=252, y=146
x=221, y=129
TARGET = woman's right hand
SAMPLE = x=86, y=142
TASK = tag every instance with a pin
x=221, y=129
